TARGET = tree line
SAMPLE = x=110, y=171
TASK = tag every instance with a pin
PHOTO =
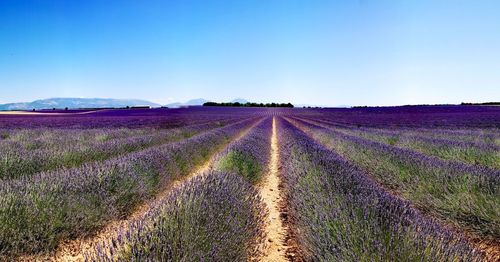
x=481, y=104
x=248, y=104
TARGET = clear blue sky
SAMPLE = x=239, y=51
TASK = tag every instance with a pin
x=317, y=52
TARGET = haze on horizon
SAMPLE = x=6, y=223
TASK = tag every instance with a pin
x=331, y=53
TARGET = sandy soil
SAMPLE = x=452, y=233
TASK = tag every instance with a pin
x=275, y=247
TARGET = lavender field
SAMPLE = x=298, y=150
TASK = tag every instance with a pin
x=415, y=183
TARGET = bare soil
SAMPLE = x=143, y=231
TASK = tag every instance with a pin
x=275, y=248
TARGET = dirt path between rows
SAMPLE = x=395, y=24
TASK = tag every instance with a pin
x=74, y=250
x=275, y=247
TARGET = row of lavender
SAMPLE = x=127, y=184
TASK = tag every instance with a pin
x=447, y=117
x=249, y=156
x=474, y=153
x=158, y=118
x=139, y=118
x=216, y=216
x=28, y=152
x=477, y=147
x=37, y=212
x=478, y=135
x=339, y=214
x=462, y=194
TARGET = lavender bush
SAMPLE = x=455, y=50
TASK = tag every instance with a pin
x=447, y=116
x=58, y=149
x=339, y=214
x=357, y=183
x=158, y=118
x=212, y=217
x=37, y=212
x=468, y=196
x=470, y=147
x=217, y=216
x=249, y=156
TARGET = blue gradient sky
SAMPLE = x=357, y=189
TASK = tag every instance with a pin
x=317, y=52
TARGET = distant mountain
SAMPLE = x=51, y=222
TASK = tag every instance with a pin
x=192, y=102
x=76, y=103
x=239, y=100
x=201, y=101
x=196, y=102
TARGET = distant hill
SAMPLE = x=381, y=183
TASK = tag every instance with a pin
x=76, y=103
x=239, y=100
x=192, y=102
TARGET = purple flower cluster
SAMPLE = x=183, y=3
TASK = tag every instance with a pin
x=116, y=118
x=449, y=168
x=217, y=216
x=411, y=156
x=248, y=156
x=54, y=149
x=38, y=211
x=439, y=186
x=339, y=214
x=212, y=217
x=413, y=116
x=360, y=184
x=471, y=136
x=460, y=146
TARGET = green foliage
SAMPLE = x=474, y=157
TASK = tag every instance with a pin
x=354, y=224
x=242, y=164
x=471, y=155
x=460, y=199
x=392, y=140
x=50, y=154
x=102, y=138
x=216, y=217
x=4, y=135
